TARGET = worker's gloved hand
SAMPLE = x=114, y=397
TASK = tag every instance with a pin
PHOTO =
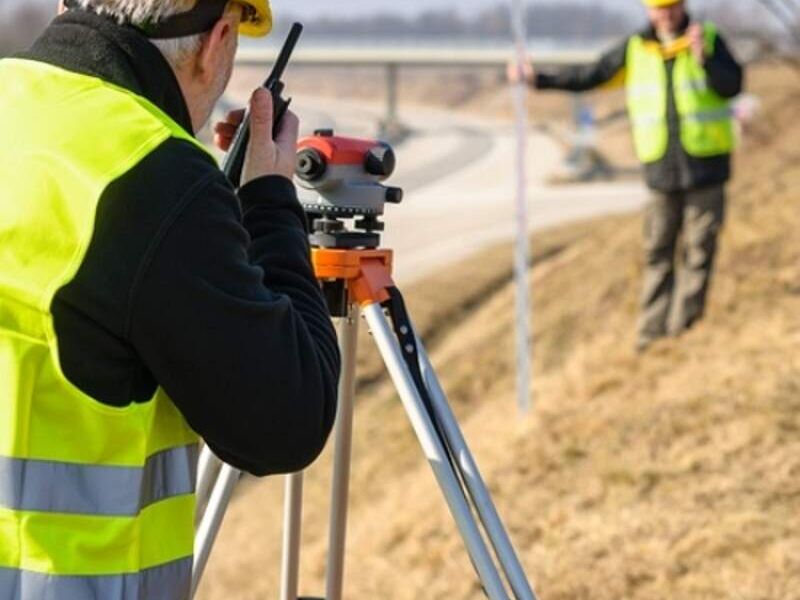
x=697, y=42
x=265, y=156
x=516, y=74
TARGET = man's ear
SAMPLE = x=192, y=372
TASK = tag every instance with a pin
x=215, y=48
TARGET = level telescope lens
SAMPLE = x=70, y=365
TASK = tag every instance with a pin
x=380, y=161
x=311, y=164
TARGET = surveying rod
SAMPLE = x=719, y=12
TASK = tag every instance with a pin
x=522, y=252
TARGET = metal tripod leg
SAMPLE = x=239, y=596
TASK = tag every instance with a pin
x=440, y=438
x=212, y=520
x=474, y=482
x=205, y=474
x=434, y=451
x=290, y=570
x=348, y=336
x=208, y=468
x=292, y=529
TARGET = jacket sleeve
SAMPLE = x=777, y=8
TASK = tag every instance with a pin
x=725, y=74
x=231, y=321
x=585, y=77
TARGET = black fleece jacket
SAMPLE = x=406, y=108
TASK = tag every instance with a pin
x=189, y=286
x=677, y=171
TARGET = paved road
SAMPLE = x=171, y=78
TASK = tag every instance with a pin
x=458, y=175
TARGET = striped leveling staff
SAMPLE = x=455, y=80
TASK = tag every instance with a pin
x=522, y=253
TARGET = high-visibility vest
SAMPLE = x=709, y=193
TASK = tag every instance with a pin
x=95, y=501
x=706, y=122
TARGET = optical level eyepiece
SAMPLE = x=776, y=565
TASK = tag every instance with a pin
x=311, y=165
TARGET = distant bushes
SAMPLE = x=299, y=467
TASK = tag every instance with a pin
x=587, y=19
x=22, y=20
x=568, y=18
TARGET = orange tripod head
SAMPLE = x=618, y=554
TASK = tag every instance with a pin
x=342, y=178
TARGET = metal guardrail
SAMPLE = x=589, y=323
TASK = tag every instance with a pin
x=412, y=57
x=392, y=59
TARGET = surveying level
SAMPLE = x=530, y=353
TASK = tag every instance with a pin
x=343, y=176
x=341, y=181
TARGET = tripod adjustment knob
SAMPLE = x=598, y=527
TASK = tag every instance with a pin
x=380, y=161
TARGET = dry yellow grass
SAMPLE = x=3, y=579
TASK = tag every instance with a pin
x=672, y=475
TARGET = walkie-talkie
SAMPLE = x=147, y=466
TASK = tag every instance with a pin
x=234, y=160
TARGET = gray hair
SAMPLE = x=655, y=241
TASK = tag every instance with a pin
x=139, y=12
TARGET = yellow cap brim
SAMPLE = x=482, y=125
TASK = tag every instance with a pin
x=260, y=23
x=660, y=3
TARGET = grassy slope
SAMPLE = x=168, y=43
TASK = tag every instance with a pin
x=674, y=475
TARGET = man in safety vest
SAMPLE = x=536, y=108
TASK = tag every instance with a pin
x=144, y=303
x=679, y=77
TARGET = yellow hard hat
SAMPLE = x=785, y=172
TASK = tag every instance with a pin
x=660, y=3
x=257, y=18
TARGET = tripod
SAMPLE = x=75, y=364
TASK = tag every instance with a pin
x=356, y=279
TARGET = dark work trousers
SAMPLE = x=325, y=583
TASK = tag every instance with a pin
x=676, y=279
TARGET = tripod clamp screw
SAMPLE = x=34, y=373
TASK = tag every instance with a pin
x=394, y=195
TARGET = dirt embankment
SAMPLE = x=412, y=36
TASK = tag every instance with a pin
x=672, y=475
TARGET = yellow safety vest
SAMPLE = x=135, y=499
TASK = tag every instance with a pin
x=706, y=123
x=95, y=501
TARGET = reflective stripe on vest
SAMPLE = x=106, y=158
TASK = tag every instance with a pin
x=706, y=123
x=95, y=501
x=48, y=486
x=166, y=582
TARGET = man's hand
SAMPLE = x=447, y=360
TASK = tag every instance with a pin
x=265, y=156
x=516, y=74
x=697, y=42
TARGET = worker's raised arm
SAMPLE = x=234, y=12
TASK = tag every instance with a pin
x=582, y=78
x=250, y=357
x=725, y=74
x=228, y=317
x=227, y=313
